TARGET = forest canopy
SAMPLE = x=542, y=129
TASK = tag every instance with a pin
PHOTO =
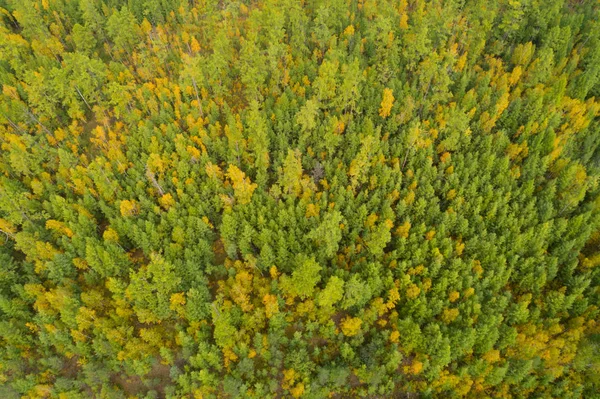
x=305, y=199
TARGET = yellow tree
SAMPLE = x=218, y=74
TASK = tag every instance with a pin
x=387, y=103
x=242, y=186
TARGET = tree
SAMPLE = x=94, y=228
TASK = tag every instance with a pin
x=386, y=103
x=151, y=288
x=242, y=186
x=351, y=326
x=332, y=293
x=328, y=234
x=304, y=278
x=292, y=174
x=304, y=199
x=122, y=29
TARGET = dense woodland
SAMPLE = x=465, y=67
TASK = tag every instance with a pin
x=307, y=199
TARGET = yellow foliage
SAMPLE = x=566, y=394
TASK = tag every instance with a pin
x=271, y=305
x=229, y=356
x=194, y=45
x=394, y=296
x=59, y=227
x=430, y=235
x=460, y=64
x=416, y=367
x=412, y=291
x=289, y=377
x=85, y=318
x=449, y=315
x=387, y=103
x=502, y=104
x=156, y=164
x=514, y=150
x=213, y=171
x=166, y=201
x=79, y=263
x=32, y=327
x=394, y=195
x=404, y=21
x=454, y=295
x=306, y=308
x=403, y=229
x=492, y=356
x=298, y=390
x=110, y=235
x=194, y=152
x=394, y=336
x=241, y=290
x=78, y=336
x=177, y=299
x=41, y=391
x=59, y=134
x=242, y=186
x=445, y=157
x=371, y=219
x=129, y=208
x=37, y=187
x=10, y=91
x=415, y=271
x=515, y=75
x=477, y=267
x=351, y=326
x=589, y=263
x=464, y=387
x=312, y=210
x=460, y=247
x=7, y=227
x=207, y=221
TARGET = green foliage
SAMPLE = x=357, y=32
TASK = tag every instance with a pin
x=265, y=199
x=304, y=278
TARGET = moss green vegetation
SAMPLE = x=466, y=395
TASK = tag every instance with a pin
x=307, y=199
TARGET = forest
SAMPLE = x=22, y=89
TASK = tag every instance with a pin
x=206, y=199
